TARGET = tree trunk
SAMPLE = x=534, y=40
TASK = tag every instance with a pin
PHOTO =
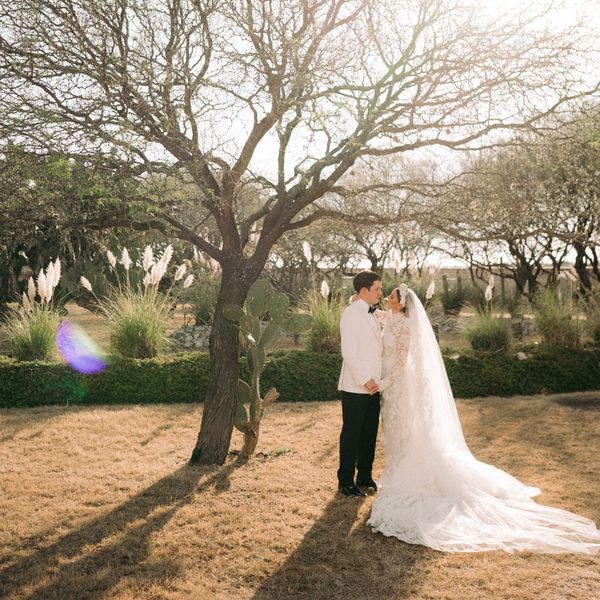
x=250, y=442
x=216, y=428
x=374, y=260
x=532, y=286
x=581, y=267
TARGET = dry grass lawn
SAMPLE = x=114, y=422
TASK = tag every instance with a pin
x=99, y=503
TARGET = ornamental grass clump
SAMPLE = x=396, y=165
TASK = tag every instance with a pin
x=555, y=319
x=138, y=315
x=591, y=307
x=29, y=329
x=453, y=299
x=138, y=322
x=324, y=333
x=489, y=334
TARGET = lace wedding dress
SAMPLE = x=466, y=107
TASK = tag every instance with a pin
x=433, y=491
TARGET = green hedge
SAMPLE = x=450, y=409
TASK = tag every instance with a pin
x=180, y=378
x=299, y=376
x=551, y=370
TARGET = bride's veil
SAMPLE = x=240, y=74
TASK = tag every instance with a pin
x=428, y=381
x=426, y=451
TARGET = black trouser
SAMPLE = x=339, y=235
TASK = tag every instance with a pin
x=360, y=415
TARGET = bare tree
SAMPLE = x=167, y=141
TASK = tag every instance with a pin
x=571, y=160
x=283, y=95
x=541, y=209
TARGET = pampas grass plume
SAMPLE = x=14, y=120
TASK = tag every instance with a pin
x=180, y=272
x=85, y=282
x=112, y=259
x=125, y=259
x=148, y=258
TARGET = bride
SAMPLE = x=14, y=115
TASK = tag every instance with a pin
x=433, y=491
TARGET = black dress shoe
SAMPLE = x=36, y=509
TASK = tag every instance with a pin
x=351, y=490
x=368, y=483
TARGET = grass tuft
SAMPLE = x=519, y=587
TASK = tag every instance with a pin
x=324, y=334
x=555, y=319
x=489, y=334
x=138, y=321
x=30, y=335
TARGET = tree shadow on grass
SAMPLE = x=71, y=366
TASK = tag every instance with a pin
x=584, y=402
x=328, y=451
x=532, y=434
x=90, y=561
x=17, y=420
x=341, y=558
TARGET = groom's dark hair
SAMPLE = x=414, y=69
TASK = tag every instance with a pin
x=365, y=279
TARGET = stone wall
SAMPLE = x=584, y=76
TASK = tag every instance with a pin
x=191, y=337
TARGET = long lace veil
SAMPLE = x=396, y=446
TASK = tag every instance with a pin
x=426, y=451
x=428, y=381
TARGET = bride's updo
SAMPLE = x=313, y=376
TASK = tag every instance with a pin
x=401, y=293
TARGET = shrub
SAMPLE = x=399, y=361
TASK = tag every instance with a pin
x=138, y=314
x=29, y=329
x=420, y=288
x=475, y=296
x=324, y=334
x=555, y=320
x=389, y=283
x=299, y=376
x=176, y=378
x=453, y=299
x=514, y=304
x=489, y=334
x=591, y=304
x=547, y=370
x=173, y=378
x=203, y=298
x=594, y=325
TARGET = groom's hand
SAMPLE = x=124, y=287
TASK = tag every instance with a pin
x=372, y=386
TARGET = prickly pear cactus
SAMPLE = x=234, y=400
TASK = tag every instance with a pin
x=102, y=278
x=95, y=271
x=261, y=320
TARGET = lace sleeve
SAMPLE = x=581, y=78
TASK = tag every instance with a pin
x=383, y=316
x=398, y=325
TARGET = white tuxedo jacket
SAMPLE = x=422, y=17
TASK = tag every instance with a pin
x=361, y=348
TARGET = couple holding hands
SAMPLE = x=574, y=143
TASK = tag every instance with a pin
x=432, y=490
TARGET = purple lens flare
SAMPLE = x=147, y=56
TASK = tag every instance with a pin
x=79, y=350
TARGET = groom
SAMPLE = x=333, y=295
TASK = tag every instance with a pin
x=359, y=379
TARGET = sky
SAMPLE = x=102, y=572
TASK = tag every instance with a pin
x=564, y=14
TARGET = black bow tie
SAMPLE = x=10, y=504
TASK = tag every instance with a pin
x=372, y=309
